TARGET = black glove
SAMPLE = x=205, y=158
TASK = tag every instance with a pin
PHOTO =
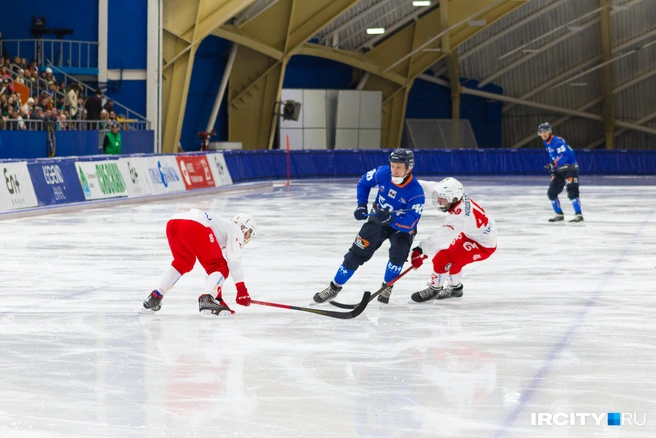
x=360, y=213
x=551, y=167
x=385, y=217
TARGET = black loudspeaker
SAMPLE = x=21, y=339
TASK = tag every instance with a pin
x=291, y=110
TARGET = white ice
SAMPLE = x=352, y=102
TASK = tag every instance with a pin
x=561, y=318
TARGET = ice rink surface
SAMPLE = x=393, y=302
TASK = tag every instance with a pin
x=561, y=319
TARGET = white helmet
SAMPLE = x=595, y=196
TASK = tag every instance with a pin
x=450, y=189
x=246, y=223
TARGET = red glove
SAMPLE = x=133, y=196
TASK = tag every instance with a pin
x=243, y=299
x=417, y=258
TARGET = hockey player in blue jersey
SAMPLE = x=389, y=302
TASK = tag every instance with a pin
x=564, y=173
x=398, y=206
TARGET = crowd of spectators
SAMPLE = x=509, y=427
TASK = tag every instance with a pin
x=51, y=104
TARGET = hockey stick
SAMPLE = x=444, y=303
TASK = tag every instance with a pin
x=374, y=295
x=393, y=211
x=357, y=309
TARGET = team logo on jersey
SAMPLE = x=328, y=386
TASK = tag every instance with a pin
x=360, y=242
x=476, y=257
x=392, y=193
x=468, y=246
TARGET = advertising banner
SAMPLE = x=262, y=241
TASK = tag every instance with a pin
x=16, y=189
x=195, y=170
x=219, y=169
x=163, y=174
x=55, y=182
x=135, y=176
x=101, y=179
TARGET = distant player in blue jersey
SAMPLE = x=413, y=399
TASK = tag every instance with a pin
x=398, y=207
x=564, y=173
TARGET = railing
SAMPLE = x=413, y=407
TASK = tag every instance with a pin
x=58, y=52
x=73, y=125
x=88, y=91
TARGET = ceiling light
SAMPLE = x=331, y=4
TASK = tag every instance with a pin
x=574, y=28
x=531, y=50
x=419, y=3
x=376, y=30
x=620, y=8
x=578, y=84
x=477, y=23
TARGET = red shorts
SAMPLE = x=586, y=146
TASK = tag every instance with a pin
x=189, y=241
x=460, y=253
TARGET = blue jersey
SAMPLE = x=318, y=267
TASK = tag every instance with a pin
x=390, y=197
x=560, y=152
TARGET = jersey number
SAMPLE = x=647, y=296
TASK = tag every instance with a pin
x=479, y=215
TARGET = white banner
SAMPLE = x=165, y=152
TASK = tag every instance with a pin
x=101, y=179
x=163, y=174
x=16, y=189
x=219, y=169
x=136, y=176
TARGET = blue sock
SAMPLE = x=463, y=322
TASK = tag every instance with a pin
x=392, y=271
x=343, y=275
x=556, y=206
x=576, y=203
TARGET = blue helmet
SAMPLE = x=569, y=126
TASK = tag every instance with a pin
x=405, y=156
x=544, y=127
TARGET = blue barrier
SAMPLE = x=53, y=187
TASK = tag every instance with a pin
x=262, y=165
x=32, y=144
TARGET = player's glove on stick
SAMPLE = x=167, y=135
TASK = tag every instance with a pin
x=550, y=167
x=417, y=258
x=385, y=217
x=360, y=213
x=243, y=299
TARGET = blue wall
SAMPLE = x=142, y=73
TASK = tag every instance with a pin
x=127, y=34
x=130, y=93
x=311, y=72
x=209, y=64
x=427, y=100
x=79, y=15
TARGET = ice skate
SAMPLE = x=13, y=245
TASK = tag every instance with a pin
x=327, y=294
x=558, y=218
x=450, y=292
x=210, y=307
x=577, y=218
x=425, y=295
x=385, y=292
x=153, y=303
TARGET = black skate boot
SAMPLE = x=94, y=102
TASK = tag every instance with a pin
x=450, y=292
x=327, y=294
x=153, y=302
x=209, y=306
x=385, y=292
x=557, y=218
x=425, y=295
x=577, y=218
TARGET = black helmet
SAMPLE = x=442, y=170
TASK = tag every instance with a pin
x=405, y=156
x=544, y=127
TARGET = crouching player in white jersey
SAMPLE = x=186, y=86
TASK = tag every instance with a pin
x=467, y=236
x=217, y=244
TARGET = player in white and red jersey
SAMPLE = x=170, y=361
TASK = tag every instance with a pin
x=468, y=235
x=217, y=244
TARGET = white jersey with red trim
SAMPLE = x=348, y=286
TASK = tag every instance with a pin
x=465, y=217
x=227, y=233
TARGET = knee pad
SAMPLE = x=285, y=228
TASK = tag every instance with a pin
x=552, y=193
x=441, y=262
x=353, y=261
x=572, y=188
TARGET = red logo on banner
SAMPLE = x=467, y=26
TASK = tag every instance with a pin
x=196, y=172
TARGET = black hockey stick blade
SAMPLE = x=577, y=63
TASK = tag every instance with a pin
x=354, y=306
x=357, y=309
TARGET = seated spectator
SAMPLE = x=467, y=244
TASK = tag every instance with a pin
x=102, y=125
x=111, y=115
x=37, y=114
x=29, y=106
x=61, y=123
x=6, y=87
x=112, y=141
x=109, y=106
